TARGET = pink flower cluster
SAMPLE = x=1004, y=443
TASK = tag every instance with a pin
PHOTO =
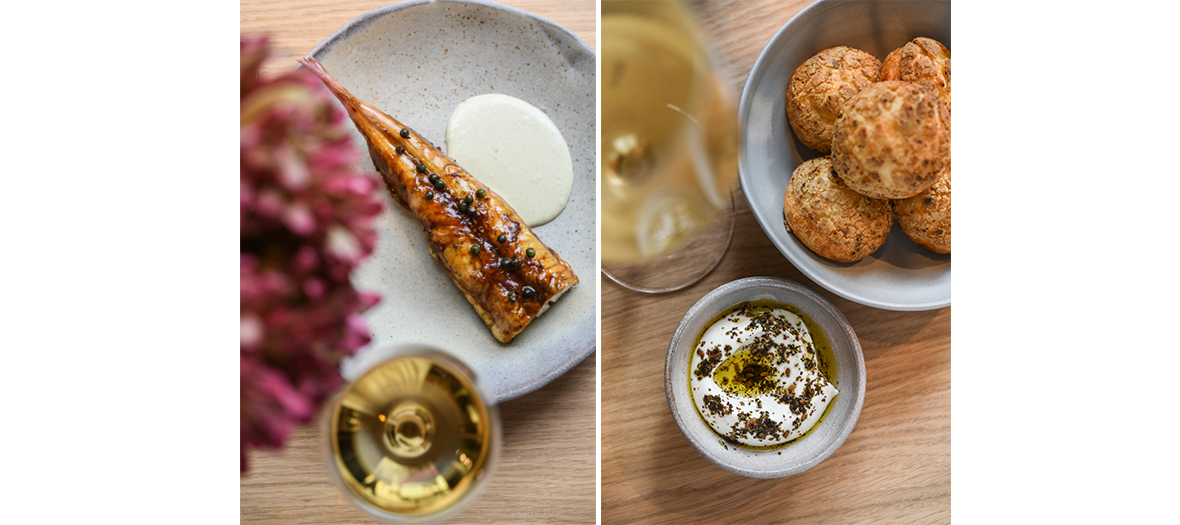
x=307, y=219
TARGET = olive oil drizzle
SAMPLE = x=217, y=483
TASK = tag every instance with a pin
x=753, y=386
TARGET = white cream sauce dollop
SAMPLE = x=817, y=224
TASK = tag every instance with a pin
x=516, y=150
x=755, y=377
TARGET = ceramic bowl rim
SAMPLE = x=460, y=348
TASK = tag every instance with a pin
x=497, y=393
x=709, y=306
x=744, y=108
x=370, y=16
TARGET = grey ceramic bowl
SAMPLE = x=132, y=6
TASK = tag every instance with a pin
x=417, y=60
x=803, y=453
x=901, y=275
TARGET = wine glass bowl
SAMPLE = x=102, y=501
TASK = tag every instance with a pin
x=413, y=438
x=668, y=148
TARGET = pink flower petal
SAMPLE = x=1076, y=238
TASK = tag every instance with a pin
x=299, y=220
x=299, y=314
x=252, y=331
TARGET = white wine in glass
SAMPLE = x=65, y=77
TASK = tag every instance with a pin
x=412, y=439
x=668, y=150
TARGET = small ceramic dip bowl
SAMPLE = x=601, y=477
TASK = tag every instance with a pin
x=802, y=453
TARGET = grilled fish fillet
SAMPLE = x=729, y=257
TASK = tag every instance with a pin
x=507, y=288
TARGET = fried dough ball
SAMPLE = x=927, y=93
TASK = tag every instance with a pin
x=892, y=140
x=924, y=61
x=926, y=217
x=819, y=88
x=831, y=219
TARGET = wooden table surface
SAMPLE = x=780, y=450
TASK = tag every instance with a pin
x=546, y=472
x=895, y=467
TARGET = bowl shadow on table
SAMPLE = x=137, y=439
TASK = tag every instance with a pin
x=688, y=488
x=881, y=330
x=681, y=496
x=519, y=416
x=754, y=255
x=532, y=452
x=693, y=490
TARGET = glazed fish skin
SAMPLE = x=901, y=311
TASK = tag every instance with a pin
x=507, y=288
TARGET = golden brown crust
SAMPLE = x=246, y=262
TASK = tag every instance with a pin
x=924, y=61
x=831, y=219
x=819, y=88
x=926, y=217
x=892, y=140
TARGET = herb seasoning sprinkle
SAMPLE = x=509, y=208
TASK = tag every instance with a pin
x=765, y=361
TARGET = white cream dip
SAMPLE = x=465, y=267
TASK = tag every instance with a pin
x=516, y=150
x=755, y=377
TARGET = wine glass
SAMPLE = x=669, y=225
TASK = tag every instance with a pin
x=668, y=149
x=412, y=439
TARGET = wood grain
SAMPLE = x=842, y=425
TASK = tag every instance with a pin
x=895, y=466
x=546, y=472
x=295, y=27
x=548, y=449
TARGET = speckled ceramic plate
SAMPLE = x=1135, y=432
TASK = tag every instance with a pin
x=800, y=454
x=901, y=275
x=417, y=60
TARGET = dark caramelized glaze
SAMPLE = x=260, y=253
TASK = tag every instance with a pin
x=493, y=277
